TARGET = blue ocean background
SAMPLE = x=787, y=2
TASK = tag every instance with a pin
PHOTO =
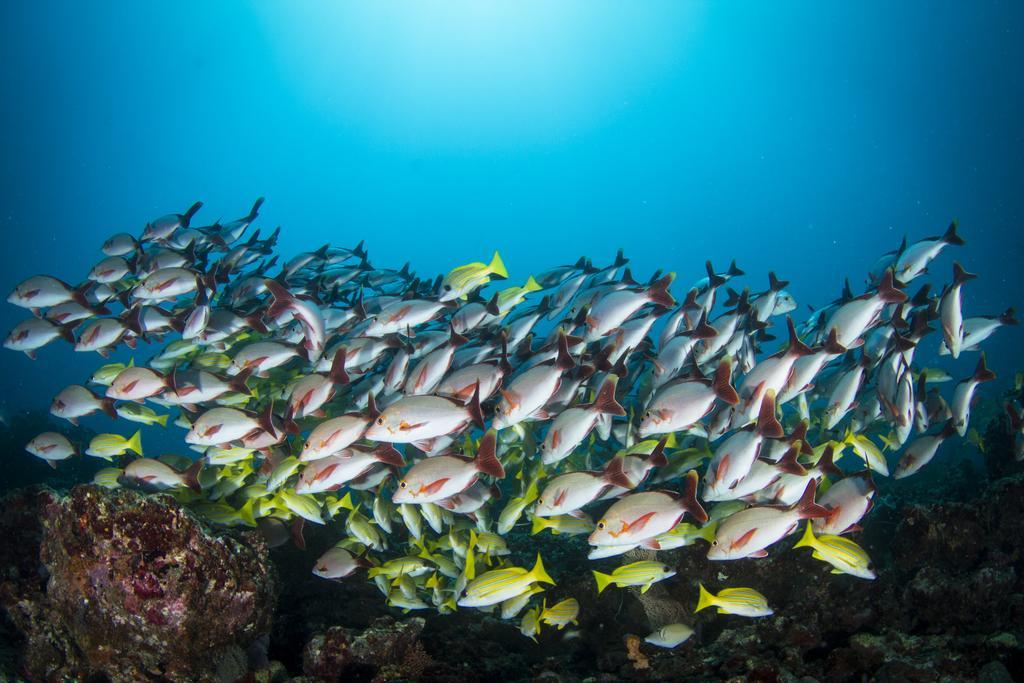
x=805, y=138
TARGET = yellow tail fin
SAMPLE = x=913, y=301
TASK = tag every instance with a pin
x=531, y=285
x=807, y=540
x=708, y=532
x=538, y=573
x=162, y=420
x=603, y=580
x=705, y=600
x=246, y=514
x=424, y=553
x=539, y=525
x=346, y=501
x=470, y=567
x=135, y=443
x=497, y=266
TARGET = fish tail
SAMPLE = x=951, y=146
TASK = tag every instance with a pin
x=982, y=373
x=470, y=566
x=708, y=532
x=487, y=456
x=658, y=292
x=107, y=406
x=497, y=267
x=134, y=444
x=688, y=498
x=539, y=525
x=807, y=540
x=161, y=420
x=538, y=573
x=424, y=553
x=951, y=236
x=245, y=513
x=705, y=600
x=603, y=580
x=531, y=285
x=191, y=212
x=191, y=476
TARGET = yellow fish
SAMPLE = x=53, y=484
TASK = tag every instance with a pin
x=499, y=585
x=560, y=614
x=464, y=279
x=133, y=412
x=562, y=524
x=843, y=554
x=507, y=298
x=530, y=624
x=644, y=573
x=108, y=477
x=744, y=602
x=109, y=445
x=105, y=375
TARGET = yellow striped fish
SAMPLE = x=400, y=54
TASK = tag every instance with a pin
x=507, y=298
x=644, y=573
x=106, y=374
x=845, y=556
x=560, y=614
x=212, y=360
x=744, y=602
x=499, y=585
x=109, y=445
x=108, y=477
x=225, y=515
x=684, y=534
x=215, y=455
x=133, y=412
x=562, y=524
x=464, y=279
x=530, y=624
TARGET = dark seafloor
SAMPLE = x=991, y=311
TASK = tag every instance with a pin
x=103, y=585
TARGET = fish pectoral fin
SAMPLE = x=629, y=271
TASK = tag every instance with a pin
x=743, y=540
x=434, y=486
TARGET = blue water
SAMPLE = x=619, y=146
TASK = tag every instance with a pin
x=807, y=138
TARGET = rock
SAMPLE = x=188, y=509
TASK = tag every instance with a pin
x=994, y=672
x=137, y=588
x=387, y=650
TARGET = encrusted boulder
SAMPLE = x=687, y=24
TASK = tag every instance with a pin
x=136, y=589
x=387, y=650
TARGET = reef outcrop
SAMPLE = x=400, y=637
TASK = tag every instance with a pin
x=128, y=587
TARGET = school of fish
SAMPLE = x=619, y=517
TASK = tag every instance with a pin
x=424, y=419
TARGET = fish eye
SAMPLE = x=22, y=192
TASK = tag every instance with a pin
x=600, y=525
x=380, y=420
x=447, y=288
x=540, y=501
x=714, y=543
x=665, y=568
x=403, y=484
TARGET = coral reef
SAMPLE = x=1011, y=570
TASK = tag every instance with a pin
x=130, y=587
x=386, y=651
